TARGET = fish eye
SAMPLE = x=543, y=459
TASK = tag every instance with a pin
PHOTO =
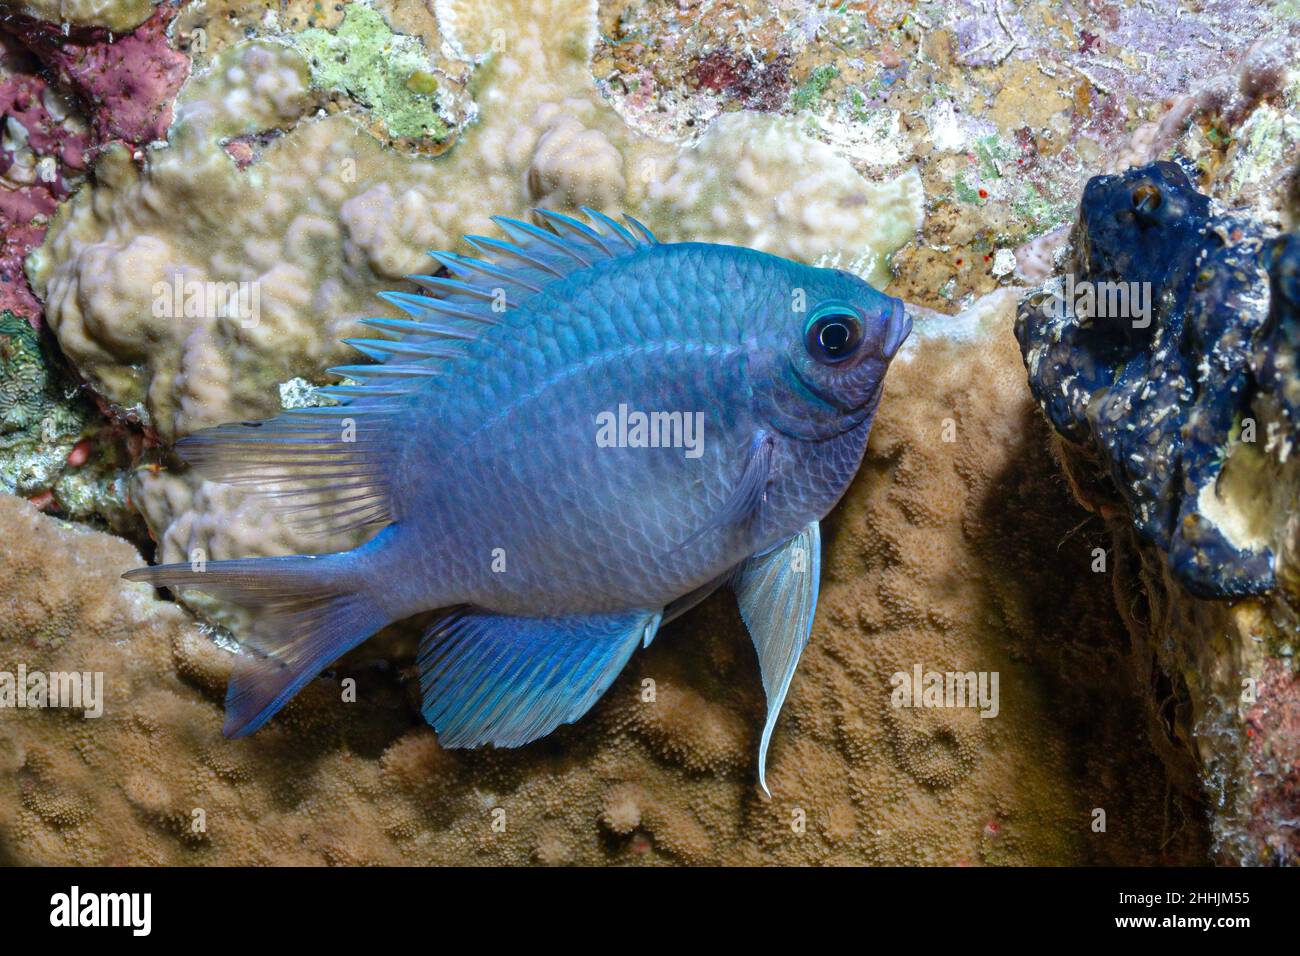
x=1146, y=198
x=833, y=335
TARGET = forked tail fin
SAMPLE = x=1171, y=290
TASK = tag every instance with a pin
x=310, y=610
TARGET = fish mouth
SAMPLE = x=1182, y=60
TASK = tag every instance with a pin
x=899, y=328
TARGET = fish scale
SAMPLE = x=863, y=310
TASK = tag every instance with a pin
x=489, y=447
x=625, y=508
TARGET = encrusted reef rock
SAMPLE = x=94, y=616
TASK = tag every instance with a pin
x=1165, y=358
x=53, y=450
x=1153, y=350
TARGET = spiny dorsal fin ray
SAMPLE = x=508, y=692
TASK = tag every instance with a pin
x=454, y=311
x=426, y=307
x=538, y=254
x=566, y=224
x=435, y=329
x=525, y=235
x=615, y=229
x=419, y=347
x=536, y=259
x=470, y=268
x=453, y=290
x=383, y=370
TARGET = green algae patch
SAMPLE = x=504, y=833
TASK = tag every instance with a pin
x=387, y=72
x=809, y=95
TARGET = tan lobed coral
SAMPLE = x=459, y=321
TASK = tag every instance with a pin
x=959, y=554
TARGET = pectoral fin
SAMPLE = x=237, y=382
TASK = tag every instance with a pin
x=493, y=679
x=750, y=490
x=777, y=593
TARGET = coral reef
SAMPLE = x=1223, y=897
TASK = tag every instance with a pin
x=64, y=95
x=306, y=156
x=1004, y=110
x=944, y=553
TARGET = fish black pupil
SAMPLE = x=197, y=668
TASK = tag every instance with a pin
x=834, y=337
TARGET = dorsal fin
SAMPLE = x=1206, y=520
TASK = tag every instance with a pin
x=307, y=463
x=536, y=255
x=454, y=311
x=323, y=469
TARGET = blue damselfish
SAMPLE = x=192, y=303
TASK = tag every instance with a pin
x=572, y=440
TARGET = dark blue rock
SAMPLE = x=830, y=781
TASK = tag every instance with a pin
x=1171, y=320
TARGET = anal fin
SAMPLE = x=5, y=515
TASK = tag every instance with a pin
x=502, y=680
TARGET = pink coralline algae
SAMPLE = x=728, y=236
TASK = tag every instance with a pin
x=1273, y=729
x=38, y=157
x=125, y=85
x=22, y=216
